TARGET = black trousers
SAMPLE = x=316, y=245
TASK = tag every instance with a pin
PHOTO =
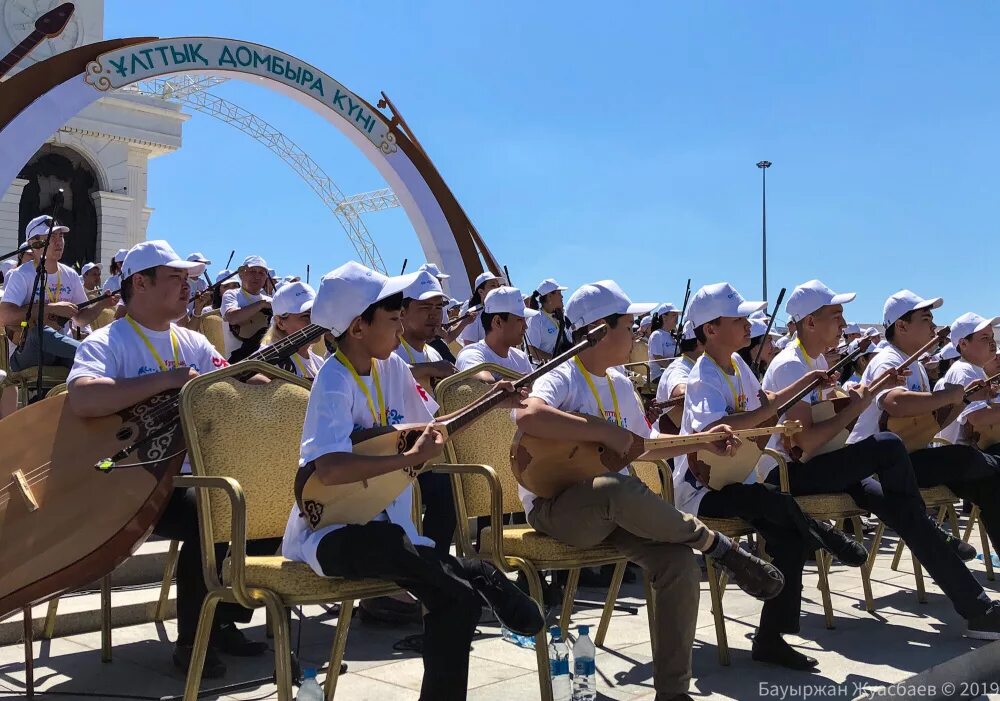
x=441, y=583
x=788, y=540
x=439, y=509
x=895, y=499
x=967, y=471
x=180, y=522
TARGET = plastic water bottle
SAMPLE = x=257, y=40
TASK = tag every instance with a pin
x=584, y=670
x=525, y=641
x=559, y=666
x=309, y=690
x=995, y=558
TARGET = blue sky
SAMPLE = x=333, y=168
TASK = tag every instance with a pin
x=589, y=140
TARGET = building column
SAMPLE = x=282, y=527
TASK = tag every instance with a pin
x=113, y=215
x=10, y=213
x=138, y=159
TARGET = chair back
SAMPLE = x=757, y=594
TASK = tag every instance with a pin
x=251, y=433
x=105, y=317
x=640, y=352
x=211, y=326
x=485, y=442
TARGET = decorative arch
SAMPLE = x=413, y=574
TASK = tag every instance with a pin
x=39, y=100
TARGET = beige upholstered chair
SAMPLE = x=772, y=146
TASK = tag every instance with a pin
x=244, y=445
x=211, y=327
x=105, y=317
x=24, y=380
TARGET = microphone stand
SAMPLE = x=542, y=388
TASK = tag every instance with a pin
x=39, y=288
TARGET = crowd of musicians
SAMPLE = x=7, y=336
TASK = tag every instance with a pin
x=391, y=338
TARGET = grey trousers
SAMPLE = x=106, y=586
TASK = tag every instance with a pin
x=621, y=511
x=56, y=349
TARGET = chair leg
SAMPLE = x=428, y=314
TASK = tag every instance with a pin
x=29, y=653
x=650, y=612
x=720, y=621
x=541, y=641
x=50, y=619
x=609, y=603
x=822, y=565
x=338, y=648
x=987, y=555
x=168, y=576
x=918, y=574
x=282, y=643
x=193, y=682
x=898, y=555
x=953, y=520
x=569, y=594
x=866, y=569
x=106, y=618
x=973, y=517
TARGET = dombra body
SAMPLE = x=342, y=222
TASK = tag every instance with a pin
x=724, y=470
x=15, y=334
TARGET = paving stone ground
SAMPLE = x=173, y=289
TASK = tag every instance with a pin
x=904, y=637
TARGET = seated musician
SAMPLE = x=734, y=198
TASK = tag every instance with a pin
x=63, y=291
x=114, y=281
x=895, y=497
x=133, y=359
x=852, y=332
x=854, y=370
x=543, y=329
x=485, y=282
x=644, y=329
x=586, y=399
x=722, y=389
x=90, y=275
x=662, y=344
x=364, y=385
x=754, y=355
x=673, y=381
x=422, y=304
x=504, y=319
x=967, y=471
x=292, y=304
x=246, y=310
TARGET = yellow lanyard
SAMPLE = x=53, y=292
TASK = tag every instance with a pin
x=800, y=349
x=378, y=418
x=246, y=298
x=306, y=369
x=409, y=351
x=597, y=397
x=54, y=296
x=156, y=356
x=739, y=400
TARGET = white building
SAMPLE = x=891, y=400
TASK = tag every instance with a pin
x=99, y=157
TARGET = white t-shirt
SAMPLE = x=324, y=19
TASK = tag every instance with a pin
x=338, y=407
x=711, y=395
x=473, y=332
x=113, y=283
x=309, y=367
x=962, y=373
x=64, y=285
x=543, y=329
x=675, y=374
x=118, y=352
x=565, y=388
x=888, y=357
x=480, y=352
x=198, y=285
x=231, y=301
x=412, y=356
x=662, y=344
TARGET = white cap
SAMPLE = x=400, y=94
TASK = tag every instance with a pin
x=87, y=267
x=646, y=321
x=272, y=272
x=483, y=277
x=968, y=324
x=720, y=299
x=254, y=262
x=812, y=295
x=904, y=302
x=665, y=308
x=152, y=254
x=688, y=334
x=345, y=293
x=947, y=352
x=119, y=256
x=39, y=226
x=424, y=287
x=601, y=299
x=871, y=332
x=7, y=265
x=451, y=304
x=856, y=343
x=507, y=300
x=758, y=327
x=549, y=285
x=222, y=273
x=198, y=257
x=292, y=298
x=433, y=270
x=851, y=329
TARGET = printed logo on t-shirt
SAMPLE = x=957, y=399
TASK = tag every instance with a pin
x=171, y=365
x=609, y=416
x=393, y=417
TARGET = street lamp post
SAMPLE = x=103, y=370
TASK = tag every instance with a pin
x=764, y=165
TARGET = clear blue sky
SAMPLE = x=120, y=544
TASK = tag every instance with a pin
x=589, y=141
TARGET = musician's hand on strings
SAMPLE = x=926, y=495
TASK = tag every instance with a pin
x=727, y=444
x=897, y=377
x=109, y=301
x=62, y=309
x=823, y=377
x=178, y=377
x=860, y=394
x=428, y=445
x=766, y=398
x=201, y=301
x=517, y=395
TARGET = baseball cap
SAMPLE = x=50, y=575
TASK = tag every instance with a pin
x=947, y=352
x=758, y=327
x=119, y=255
x=904, y=302
x=601, y=299
x=198, y=257
x=813, y=295
x=720, y=299
x=968, y=324
x=851, y=329
x=665, y=308
x=254, y=262
x=782, y=342
x=507, y=300
x=7, y=265
x=549, y=285
x=646, y=321
x=293, y=298
x=870, y=349
x=424, y=287
x=433, y=270
x=688, y=333
x=483, y=277
x=39, y=226
x=346, y=292
x=87, y=267
x=152, y=254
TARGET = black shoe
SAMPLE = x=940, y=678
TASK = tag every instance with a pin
x=965, y=551
x=680, y=697
x=214, y=668
x=512, y=607
x=844, y=547
x=777, y=651
x=987, y=626
x=759, y=579
x=229, y=639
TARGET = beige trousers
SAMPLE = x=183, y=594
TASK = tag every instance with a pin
x=621, y=511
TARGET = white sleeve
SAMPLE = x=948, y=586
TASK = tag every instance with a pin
x=418, y=404
x=94, y=358
x=469, y=357
x=77, y=295
x=553, y=388
x=533, y=335
x=328, y=424
x=705, y=402
x=16, y=292
x=229, y=302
